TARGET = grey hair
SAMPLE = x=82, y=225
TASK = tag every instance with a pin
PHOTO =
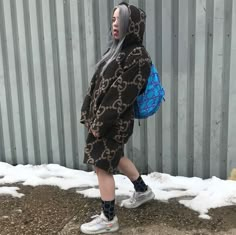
x=116, y=45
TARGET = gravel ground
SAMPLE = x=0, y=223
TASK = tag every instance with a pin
x=50, y=210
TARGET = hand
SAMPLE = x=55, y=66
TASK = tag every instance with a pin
x=95, y=134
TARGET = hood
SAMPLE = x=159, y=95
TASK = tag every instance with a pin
x=136, y=26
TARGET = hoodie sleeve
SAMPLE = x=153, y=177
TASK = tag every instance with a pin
x=86, y=104
x=122, y=94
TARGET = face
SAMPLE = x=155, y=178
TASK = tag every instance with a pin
x=115, y=24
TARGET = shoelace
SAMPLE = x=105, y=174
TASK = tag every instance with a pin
x=133, y=198
x=94, y=216
x=96, y=219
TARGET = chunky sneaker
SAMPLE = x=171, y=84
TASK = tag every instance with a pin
x=100, y=224
x=138, y=199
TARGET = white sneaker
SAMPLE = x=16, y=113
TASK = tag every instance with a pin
x=138, y=199
x=100, y=224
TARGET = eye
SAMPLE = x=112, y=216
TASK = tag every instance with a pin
x=115, y=18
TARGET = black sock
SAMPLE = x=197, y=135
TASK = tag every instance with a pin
x=108, y=208
x=139, y=185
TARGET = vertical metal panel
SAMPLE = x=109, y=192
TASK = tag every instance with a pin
x=31, y=83
x=231, y=147
x=207, y=87
x=57, y=78
x=38, y=80
x=174, y=84
x=166, y=81
x=225, y=86
x=200, y=48
x=2, y=98
x=216, y=87
x=190, y=86
x=46, y=113
x=64, y=82
x=96, y=22
x=72, y=88
x=158, y=59
x=19, y=81
x=83, y=63
x=150, y=46
x=89, y=39
x=183, y=80
x=103, y=25
x=49, y=99
x=78, y=83
x=2, y=147
x=48, y=52
x=7, y=55
x=13, y=80
x=24, y=76
x=5, y=133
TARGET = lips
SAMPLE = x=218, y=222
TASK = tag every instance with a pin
x=115, y=32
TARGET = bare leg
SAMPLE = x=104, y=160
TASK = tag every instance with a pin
x=142, y=193
x=106, y=221
x=106, y=185
x=128, y=168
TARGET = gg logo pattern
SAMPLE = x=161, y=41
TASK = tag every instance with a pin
x=108, y=108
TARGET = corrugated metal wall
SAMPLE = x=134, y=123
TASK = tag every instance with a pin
x=48, y=50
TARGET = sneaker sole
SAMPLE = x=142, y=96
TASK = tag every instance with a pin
x=115, y=229
x=140, y=203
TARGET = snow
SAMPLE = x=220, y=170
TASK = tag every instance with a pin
x=195, y=193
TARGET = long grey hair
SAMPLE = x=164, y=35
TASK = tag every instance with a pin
x=116, y=45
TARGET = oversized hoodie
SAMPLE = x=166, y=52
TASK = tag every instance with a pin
x=108, y=106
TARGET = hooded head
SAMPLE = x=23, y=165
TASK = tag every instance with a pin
x=131, y=30
x=136, y=25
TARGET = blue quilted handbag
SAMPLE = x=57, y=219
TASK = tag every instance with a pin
x=150, y=100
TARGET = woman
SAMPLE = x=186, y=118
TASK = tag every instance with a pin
x=108, y=113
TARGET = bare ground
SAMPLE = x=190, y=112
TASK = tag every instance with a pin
x=50, y=210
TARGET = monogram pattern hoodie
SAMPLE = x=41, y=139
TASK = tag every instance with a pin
x=108, y=107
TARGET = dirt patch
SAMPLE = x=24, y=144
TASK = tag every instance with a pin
x=49, y=210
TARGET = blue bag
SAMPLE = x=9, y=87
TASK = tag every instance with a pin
x=150, y=100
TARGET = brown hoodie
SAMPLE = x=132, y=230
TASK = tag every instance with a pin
x=108, y=106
